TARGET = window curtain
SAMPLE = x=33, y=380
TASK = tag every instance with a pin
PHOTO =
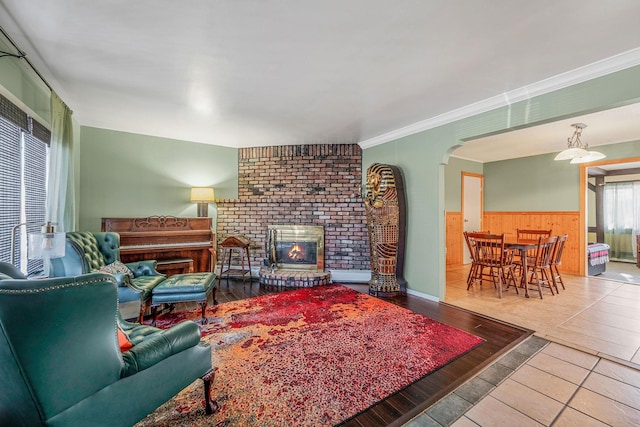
x=61, y=201
x=622, y=219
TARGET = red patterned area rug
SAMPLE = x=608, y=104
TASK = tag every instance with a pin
x=309, y=357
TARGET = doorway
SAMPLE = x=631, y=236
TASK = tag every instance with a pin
x=595, y=177
x=472, y=207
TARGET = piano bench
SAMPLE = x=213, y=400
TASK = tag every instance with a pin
x=184, y=288
x=172, y=266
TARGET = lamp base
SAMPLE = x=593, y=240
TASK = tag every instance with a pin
x=203, y=209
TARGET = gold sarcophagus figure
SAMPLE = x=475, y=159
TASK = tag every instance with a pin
x=386, y=220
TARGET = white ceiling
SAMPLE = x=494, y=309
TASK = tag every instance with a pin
x=266, y=72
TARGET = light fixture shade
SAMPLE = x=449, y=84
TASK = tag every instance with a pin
x=202, y=194
x=46, y=245
x=577, y=150
x=571, y=153
x=591, y=157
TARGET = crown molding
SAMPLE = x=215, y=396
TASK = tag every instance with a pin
x=597, y=69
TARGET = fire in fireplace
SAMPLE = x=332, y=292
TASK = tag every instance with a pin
x=296, y=247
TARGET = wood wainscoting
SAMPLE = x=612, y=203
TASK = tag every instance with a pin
x=454, y=238
x=509, y=222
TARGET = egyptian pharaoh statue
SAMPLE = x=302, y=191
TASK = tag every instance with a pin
x=385, y=208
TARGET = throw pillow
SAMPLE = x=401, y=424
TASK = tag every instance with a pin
x=117, y=267
x=123, y=341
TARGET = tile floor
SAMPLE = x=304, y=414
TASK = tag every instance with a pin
x=580, y=368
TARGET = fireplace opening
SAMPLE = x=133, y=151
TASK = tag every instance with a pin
x=302, y=253
x=297, y=247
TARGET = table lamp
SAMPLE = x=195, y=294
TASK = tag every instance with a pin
x=202, y=196
x=44, y=245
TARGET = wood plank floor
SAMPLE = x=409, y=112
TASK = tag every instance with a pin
x=404, y=405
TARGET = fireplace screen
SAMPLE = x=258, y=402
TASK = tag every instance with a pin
x=297, y=247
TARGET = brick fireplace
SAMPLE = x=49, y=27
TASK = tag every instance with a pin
x=312, y=185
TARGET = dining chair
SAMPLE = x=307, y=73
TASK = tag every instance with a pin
x=491, y=255
x=475, y=272
x=556, y=260
x=539, y=273
x=529, y=236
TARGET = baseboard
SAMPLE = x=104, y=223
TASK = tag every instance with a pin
x=423, y=296
x=346, y=276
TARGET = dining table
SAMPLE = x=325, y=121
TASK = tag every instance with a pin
x=522, y=246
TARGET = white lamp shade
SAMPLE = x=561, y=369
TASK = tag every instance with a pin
x=46, y=245
x=571, y=153
x=591, y=157
x=202, y=194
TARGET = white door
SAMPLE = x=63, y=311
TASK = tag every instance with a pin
x=471, y=207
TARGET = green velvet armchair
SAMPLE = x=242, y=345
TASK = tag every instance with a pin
x=61, y=363
x=87, y=252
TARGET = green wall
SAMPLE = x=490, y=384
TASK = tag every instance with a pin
x=538, y=183
x=422, y=157
x=453, y=181
x=131, y=175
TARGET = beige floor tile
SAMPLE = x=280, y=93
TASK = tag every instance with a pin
x=611, y=333
x=490, y=412
x=545, y=383
x=572, y=418
x=528, y=401
x=597, y=344
x=620, y=300
x=636, y=358
x=625, y=312
x=559, y=368
x=593, y=315
x=464, y=422
x=569, y=344
x=571, y=355
x=606, y=410
x=628, y=291
x=613, y=389
x=618, y=372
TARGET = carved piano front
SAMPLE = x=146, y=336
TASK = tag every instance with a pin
x=180, y=245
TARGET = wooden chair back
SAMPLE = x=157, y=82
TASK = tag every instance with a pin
x=557, y=251
x=531, y=235
x=489, y=248
x=544, y=253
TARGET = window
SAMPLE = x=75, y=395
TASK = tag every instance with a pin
x=24, y=147
x=622, y=219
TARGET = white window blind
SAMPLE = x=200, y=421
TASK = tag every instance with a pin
x=23, y=172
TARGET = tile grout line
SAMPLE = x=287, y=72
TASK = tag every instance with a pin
x=566, y=404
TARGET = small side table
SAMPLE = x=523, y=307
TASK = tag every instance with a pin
x=228, y=245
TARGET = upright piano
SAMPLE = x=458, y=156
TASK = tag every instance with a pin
x=180, y=245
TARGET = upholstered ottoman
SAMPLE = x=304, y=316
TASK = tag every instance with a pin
x=184, y=288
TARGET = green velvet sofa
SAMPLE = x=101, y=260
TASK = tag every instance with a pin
x=87, y=252
x=61, y=363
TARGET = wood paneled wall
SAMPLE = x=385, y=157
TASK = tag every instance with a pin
x=454, y=238
x=509, y=222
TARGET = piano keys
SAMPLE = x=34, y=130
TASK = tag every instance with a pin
x=180, y=245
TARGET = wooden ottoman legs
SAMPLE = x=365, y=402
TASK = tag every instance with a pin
x=210, y=405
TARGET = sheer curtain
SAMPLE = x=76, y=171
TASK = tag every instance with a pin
x=622, y=219
x=61, y=190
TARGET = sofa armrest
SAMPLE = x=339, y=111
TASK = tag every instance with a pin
x=159, y=346
x=144, y=268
